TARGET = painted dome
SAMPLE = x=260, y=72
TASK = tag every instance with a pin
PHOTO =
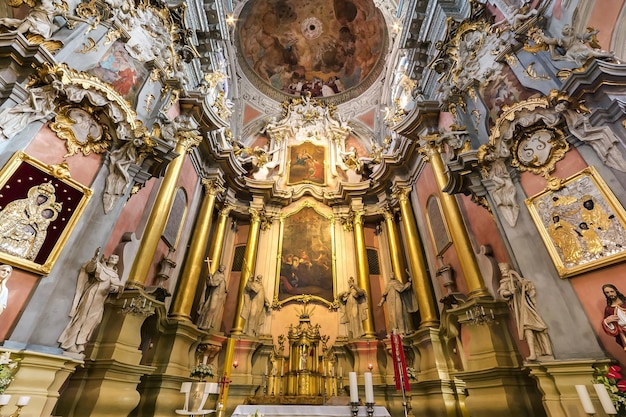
x=328, y=48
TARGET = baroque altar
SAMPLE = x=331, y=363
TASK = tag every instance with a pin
x=307, y=374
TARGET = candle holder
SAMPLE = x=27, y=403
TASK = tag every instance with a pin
x=340, y=378
x=354, y=408
x=369, y=407
x=17, y=412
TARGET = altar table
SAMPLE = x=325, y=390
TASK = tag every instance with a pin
x=305, y=411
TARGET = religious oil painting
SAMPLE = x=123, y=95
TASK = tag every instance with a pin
x=320, y=49
x=307, y=164
x=306, y=269
x=39, y=206
x=581, y=223
x=117, y=68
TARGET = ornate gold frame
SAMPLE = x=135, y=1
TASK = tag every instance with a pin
x=61, y=175
x=571, y=246
x=306, y=298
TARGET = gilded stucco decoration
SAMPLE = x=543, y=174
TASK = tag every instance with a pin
x=133, y=142
x=467, y=56
x=39, y=24
x=151, y=34
x=528, y=136
x=81, y=131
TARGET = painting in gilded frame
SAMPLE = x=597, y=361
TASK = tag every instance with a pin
x=39, y=207
x=306, y=266
x=307, y=163
x=581, y=223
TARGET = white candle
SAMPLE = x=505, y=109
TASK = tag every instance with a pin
x=324, y=369
x=4, y=399
x=605, y=399
x=585, y=400
x=340, y=371
x=23, y=401
x=354, y=388
x=369, y=388
x=205, y=360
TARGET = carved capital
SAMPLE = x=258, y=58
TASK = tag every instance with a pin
x=212, y=186
x=188, y=139
x=225, y=211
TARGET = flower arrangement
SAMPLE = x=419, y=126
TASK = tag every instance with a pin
x=7, y=369
x=202, y=371
x=615, y=384
x=411, y=373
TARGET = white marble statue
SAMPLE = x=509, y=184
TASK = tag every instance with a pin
x=40, y=104
x=574, y=47
x=255, y=306
x=520, y=293
x=5, y=274
x=212, y=301
x=97, y=279
x=401, y=301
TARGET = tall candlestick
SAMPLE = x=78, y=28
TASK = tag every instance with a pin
x=23, y=401
x=354, y=388
x=369, y=388
x=585, y=400
x=605, y=399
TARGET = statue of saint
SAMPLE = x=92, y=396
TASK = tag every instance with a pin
x=520, y=293
x=401, y=301
x=354, y=303
x=5, y=274
x=212, y=301
x=96, y=280
x=24, y=222
x=255, y=306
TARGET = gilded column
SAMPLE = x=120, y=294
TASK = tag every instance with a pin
x=249, y=261
x=394, y=245
x=363, y=272
x=458, y=232
x=217, y=243
x=188, y=282
x=421, y=280
x=160, y=211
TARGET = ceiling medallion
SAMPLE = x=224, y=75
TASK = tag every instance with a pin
x=311, y=28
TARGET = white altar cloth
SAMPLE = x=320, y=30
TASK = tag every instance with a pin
x=305, y=411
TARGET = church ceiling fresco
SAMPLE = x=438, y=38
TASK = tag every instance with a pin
x=322, y=48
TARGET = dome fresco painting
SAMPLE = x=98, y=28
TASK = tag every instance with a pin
x=324, y=48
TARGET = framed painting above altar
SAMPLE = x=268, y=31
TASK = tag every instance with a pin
x=306, y=269
x=307, y=164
